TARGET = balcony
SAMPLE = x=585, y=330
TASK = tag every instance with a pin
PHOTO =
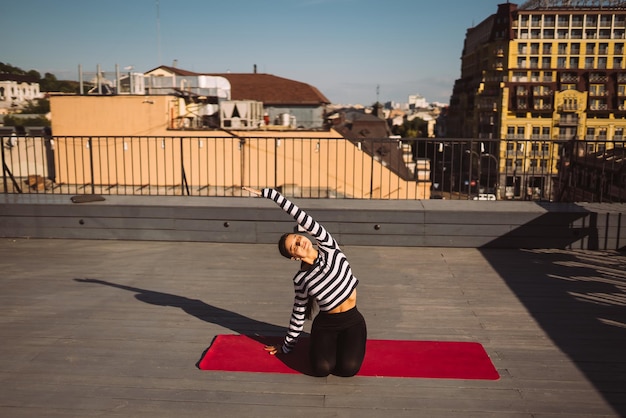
x=565, y=121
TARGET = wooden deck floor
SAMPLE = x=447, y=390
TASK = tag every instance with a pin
x=114, y=329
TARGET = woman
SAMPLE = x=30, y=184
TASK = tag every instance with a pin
x=338, y=332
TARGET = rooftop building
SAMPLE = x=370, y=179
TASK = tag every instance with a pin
x=551, y=71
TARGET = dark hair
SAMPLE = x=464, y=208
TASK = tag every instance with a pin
x=281, y=246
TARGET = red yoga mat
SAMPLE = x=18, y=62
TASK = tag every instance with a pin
x=383, y=358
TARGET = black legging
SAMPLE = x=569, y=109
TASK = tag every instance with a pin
x=338, y=343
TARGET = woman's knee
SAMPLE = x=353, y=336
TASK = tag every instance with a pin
x=321, y=368
x=347, y=369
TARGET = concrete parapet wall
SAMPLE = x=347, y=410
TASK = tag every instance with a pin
x=419, y=223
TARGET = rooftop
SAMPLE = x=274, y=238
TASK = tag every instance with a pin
x=115, y=328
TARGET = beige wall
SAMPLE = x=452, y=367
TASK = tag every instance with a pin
x=127, y=139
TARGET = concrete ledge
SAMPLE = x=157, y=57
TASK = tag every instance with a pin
x=417, y=223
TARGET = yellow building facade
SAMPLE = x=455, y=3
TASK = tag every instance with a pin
x=538, y=75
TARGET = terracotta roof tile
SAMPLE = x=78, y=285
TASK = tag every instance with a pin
x=266, y=88
x=272, y=90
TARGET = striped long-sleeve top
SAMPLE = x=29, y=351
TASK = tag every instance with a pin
x=329, y=280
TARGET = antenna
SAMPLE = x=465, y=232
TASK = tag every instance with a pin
x=158, y=24
x=377, y=92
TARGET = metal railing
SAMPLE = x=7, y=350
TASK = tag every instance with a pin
x=405, y=168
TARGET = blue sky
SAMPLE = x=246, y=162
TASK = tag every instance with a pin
x=348, y=49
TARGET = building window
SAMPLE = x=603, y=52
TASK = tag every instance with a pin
x=535, y=20
x=545, y=62
x=598, y=104
x=562, y=48
x=535, y=135
x=619, y=134
x=618, y=62
x=573, y=62
x=589, y=62
x=575, y=48
x=563, y=20
x=605, y=21
x=534, y=49
x=591, y=133
x=597, y=89
x=547, y=48
x=590, y=49
x=602, y=133
x=521, y=48
x=602, y=62
x=520, y=76
x=603, y=49
x=510, y=133
x=523, y=21
x=560, y=62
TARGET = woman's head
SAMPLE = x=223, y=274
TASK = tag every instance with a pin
x=295, y=246
x=281, y=246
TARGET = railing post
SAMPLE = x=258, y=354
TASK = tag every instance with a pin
x=4, y=171
x=93, y=185
x=183, y=177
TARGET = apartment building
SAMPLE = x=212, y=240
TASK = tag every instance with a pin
x=17, y=90
x=536, y=75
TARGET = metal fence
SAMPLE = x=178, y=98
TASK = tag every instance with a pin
x=398, y=168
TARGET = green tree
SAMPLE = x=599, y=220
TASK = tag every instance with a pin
x=9, y=69
x=34, y=74
x=415, y=128
x=15, y=121
x=37, y=106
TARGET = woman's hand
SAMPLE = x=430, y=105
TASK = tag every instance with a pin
x=251, y=190
x=273, y=350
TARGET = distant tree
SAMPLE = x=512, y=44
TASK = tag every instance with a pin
x=37, y=106
x=34, y=74
x=49, y=83
x=9, y=69
x=415, y=128
x=15, y=121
